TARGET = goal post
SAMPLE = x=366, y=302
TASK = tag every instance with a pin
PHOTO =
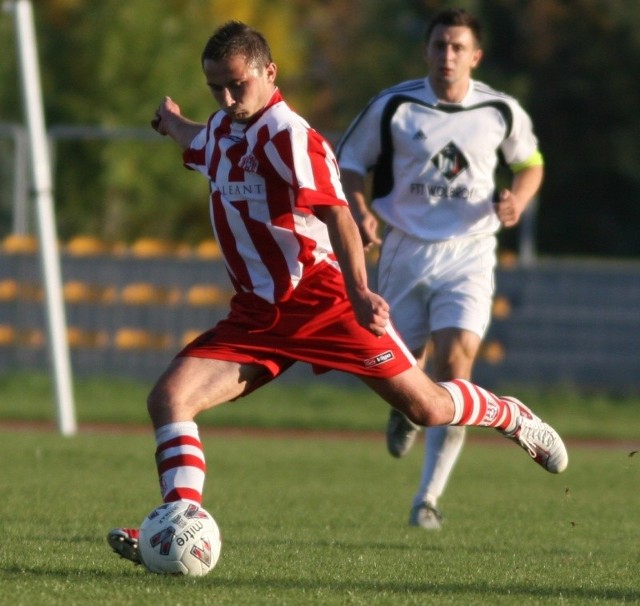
x=41, y=176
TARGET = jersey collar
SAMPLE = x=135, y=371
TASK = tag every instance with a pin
x=276, y=97
x=432, y=98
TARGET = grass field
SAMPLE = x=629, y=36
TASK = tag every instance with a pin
x=317, y=404
x=317, y=519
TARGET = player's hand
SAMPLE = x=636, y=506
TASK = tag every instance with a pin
x=372, y=312
x=368, y=226
x=508, y=208
x=166, y=110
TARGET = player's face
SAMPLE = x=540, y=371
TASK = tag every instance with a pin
x=241, y=89
x=451, y=54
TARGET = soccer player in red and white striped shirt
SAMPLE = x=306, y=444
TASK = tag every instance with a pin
x=295, y=257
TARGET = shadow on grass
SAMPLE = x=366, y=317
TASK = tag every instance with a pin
x=463, y=590
x=258, y=584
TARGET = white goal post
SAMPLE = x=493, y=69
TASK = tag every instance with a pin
x=40, y=169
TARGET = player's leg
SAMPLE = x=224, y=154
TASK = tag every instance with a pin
x=460, y=402
x=454, y=351
x=460, y=302
x=189, y=386
x=443, y=445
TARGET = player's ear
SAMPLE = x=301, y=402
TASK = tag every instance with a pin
x=271, y=70
x=477, y=57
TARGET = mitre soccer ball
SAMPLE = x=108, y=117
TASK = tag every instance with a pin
x=180, y=538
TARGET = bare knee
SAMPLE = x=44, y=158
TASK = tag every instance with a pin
x=424, y=416
x=162, y=405
x=173, y=397
x=191, y=385
x=416, y=396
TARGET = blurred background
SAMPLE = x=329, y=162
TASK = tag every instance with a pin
x=129, y=217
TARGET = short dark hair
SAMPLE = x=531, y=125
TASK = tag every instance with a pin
x=452, y=17
x=237, y=38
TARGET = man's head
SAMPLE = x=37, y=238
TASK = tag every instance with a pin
x=456, y=17
x=453, y=50
x=239, y=70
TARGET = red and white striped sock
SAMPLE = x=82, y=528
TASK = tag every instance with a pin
x=474, y=405
x=180, y=462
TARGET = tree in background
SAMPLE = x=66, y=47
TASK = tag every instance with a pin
x=583, y=56
x=108, y=63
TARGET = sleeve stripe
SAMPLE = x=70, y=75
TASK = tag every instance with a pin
x=535, y=160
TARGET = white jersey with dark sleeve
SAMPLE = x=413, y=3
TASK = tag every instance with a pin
x=434, y=163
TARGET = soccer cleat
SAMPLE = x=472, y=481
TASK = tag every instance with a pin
x=426, y=516
x=540, y=440
x=124, y=541
x=401, y=434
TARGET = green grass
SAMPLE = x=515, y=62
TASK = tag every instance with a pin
x=317, y=404
x=310, y=520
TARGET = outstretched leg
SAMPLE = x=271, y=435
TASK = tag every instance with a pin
x=460, y=402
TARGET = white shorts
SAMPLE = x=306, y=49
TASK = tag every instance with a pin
x=435, y=285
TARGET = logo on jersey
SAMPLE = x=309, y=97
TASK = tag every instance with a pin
x=249, y=163
x=419, y=136
x=241, y=190
x=379, y=359
x=450, y=161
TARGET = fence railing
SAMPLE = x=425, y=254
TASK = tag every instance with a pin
x=129, y=309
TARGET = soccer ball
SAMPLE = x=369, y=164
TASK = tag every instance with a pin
x=180, y=538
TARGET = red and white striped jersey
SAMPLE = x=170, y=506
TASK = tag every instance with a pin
x=265, y=178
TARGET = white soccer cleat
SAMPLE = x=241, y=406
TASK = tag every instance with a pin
x=540, y=440
x=426, y=516
x=401, y=434
x=124, y=541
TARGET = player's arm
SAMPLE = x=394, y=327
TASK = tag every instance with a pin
x=371, y=310
x=168, y=120
x=353, y=184
x=525, y=184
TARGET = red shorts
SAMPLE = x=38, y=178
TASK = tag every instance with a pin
x=316, y=325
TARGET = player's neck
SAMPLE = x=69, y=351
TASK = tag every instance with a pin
x=451, y=93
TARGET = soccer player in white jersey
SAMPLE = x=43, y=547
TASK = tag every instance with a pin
x=295, y=258
x=433, y=146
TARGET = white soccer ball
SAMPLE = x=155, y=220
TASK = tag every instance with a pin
x=180, y=538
